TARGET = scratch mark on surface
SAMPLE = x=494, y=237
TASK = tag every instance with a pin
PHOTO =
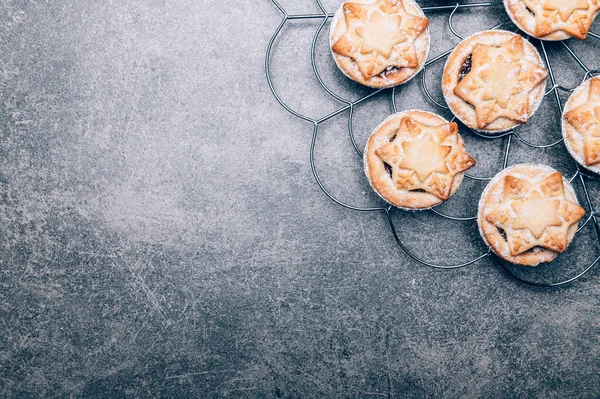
x=141, y=284
x=205, y=372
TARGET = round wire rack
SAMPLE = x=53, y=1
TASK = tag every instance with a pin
x=581, y=176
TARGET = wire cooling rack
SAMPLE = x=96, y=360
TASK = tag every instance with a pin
x=581, y=175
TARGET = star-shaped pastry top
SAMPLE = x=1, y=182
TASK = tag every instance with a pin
x=571, y=16
x=379, y=36
x=535, y=214
x=499, y=82
x=426, y=157
x=586, y=119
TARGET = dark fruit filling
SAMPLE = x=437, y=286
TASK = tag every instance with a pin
x=465, y=68
x=530, y=11
x=388, y=168
x=389, y=70
x=502, y=233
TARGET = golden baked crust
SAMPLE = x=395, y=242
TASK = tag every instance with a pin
x=553, y=19
x=528, y=214
x=581, y=124
x=379, y=43
x=425, y=159
x=503, y=85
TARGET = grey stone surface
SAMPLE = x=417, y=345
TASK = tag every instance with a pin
x=162, y=235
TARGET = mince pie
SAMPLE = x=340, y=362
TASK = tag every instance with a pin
x=494, y=81
x=416, y=159
x=528, y=214
x=581, y=124
x=553, y=19
x=380, y=43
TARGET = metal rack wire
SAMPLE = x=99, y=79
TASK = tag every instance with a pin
x=348, y=106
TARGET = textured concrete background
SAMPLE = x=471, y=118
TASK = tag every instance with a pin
x=162, y=235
